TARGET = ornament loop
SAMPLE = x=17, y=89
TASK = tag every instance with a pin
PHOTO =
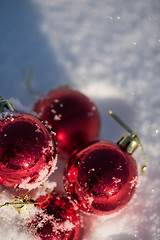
x=20, y=201
x=27, y=79
x=130, y=142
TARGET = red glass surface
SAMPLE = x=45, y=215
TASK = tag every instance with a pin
x=27, y=151
x=71, y=115
x=58, y=219
x=100, y=178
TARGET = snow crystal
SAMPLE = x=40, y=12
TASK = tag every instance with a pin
x=68, y=225
x=38, y=130
x=9, y=115
x=50, y=185
x=56, y=100
x=116, y=180
x=133, y=182
x=57, y=117
x=53, y=111
x=91, y=170
x=93, y=108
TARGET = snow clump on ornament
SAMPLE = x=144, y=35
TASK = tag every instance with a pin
x=56, y=219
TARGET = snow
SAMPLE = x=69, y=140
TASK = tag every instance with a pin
x=109, y=50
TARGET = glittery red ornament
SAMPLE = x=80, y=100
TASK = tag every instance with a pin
x=27, y=151
x=101, y=178
x=71, y=115
x=56, y=220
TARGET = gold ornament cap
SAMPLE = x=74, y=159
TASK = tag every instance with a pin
x=129, y=143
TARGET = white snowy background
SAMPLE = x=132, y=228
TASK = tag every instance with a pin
x=110, y=51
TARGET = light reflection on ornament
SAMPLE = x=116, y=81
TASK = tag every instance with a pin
x=60, y=136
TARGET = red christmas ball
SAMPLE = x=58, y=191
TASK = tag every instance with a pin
x=71, y=115
x=27, y=151
x=100, y=178
x=57, y=219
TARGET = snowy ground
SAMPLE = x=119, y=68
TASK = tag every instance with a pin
x=109, y=50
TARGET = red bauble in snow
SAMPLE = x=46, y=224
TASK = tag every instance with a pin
x=101, y=178
x=71, y=115
x=56, y=220
x=27, y=151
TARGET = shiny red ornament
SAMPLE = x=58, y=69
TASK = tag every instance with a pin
x=27, y=151
x=56, y=220
x=101, y=178
x=72, y=116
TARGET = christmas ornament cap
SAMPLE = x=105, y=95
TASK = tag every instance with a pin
x=5, y=104
x=129, y=142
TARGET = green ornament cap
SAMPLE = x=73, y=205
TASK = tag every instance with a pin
x=5, y=104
